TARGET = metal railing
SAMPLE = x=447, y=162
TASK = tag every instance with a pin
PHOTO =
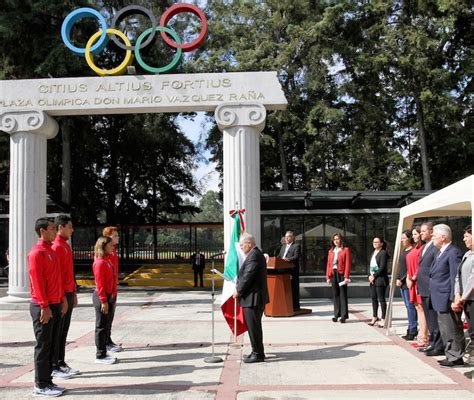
x=153, y=243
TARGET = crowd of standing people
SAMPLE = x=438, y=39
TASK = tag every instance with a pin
x=435, y=281
x=434, y=277
x=438, y=280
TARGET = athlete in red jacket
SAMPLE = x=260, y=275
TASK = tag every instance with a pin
x=47, y=305
x=112, y=232
x=66, y=262
x=104, y=296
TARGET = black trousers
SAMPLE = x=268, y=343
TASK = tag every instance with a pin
x=295, y=287
x=378, y=296
x=200, y=273
x=102, y=324
x=432, y=319
x=253, y=319
x=112, y=308
x=46, y=335
x=59, y=347
x=339, y=295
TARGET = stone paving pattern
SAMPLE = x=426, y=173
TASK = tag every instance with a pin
x=167, y=335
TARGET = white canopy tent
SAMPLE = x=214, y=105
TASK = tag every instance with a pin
x=454, y=200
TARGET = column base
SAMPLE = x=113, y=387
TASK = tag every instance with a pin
x=17, y=302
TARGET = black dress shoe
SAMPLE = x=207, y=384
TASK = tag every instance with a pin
x=334, y=319
x=252, y=354
x=425, y=349
x=450, y=364
x=409, y=336
x=343, y=321
x=433, y=353
x=253, y=359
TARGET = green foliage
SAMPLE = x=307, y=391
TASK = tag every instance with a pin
x=209, y=208
x=125, y=169
x=364, y=82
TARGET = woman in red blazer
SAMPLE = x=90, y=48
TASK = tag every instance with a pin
x=338, y=270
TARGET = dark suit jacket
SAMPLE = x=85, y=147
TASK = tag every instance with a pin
x=202, y=262
x=442, y=277
x=381, y=276
x=423, y=275
x=293, y=254
x=252, y=280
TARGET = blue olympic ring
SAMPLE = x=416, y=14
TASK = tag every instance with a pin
x=69, y=22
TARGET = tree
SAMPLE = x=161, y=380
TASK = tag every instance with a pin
x=211, y=208
x=430, y=41
x=378, y=91
x=123, y=168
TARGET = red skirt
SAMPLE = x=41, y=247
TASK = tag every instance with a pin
x=414, y=295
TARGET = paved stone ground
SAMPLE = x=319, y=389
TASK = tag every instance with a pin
x=167, y=335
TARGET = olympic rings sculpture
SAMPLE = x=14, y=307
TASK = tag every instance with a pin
x=99, y=40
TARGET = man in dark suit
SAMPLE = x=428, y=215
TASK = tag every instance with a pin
x=252, y=293
x=198, y=262
x=442, y=278
x=291, y=252
x=427, y=256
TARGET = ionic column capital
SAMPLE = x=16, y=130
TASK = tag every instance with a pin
x=35, y=121
x=229, y=115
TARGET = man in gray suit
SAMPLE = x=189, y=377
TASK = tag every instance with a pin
x=291, y=252
x=442, y=279
x=252, y=292
x=427, y=256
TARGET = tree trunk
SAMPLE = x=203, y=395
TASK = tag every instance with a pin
x=66, y=163
x=284, y=173
x=423, y=147
x=112, y=180
x=155, y=218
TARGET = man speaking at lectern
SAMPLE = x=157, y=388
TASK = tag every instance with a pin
x=291, y=252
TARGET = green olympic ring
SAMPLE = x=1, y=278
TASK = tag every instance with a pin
x=158, y=70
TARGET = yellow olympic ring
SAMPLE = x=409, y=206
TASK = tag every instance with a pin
x=114, y=71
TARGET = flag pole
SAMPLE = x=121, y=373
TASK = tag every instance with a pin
x=235, y=300
x=213, y=358
x=235, y=321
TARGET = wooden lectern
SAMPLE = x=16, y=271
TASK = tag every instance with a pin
x=279, y=288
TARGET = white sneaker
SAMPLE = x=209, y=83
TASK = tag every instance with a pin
x=106, y=360
x=49, y=391
x=61, y=374
x=114, y=348
x=66, y=368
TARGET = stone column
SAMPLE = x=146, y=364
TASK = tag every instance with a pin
x=29, y=132
x=241, y=125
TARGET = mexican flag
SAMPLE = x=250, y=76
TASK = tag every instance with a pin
x=234, y=260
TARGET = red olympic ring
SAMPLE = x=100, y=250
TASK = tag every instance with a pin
x=179, y=8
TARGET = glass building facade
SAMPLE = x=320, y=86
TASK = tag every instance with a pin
x=315, y=216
